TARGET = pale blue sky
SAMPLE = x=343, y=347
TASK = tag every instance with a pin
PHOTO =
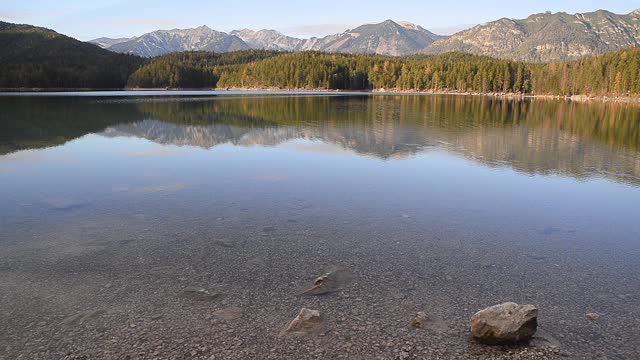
x=86, y=19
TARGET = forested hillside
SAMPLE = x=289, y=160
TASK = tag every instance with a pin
x=35, y=57
x=191, y=69
x=612, y=74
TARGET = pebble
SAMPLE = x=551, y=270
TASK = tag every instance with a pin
x=593, y=316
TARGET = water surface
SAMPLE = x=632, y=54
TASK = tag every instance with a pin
x=111, y=207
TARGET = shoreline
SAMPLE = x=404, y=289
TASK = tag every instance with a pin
x=575, y=98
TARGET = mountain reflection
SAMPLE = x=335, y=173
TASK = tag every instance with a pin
x=533, y=137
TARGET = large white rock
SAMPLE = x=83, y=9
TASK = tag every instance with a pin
x=505, y=323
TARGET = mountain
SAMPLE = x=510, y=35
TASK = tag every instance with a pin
x=35, y=57
x=162, y=42
x=268, y=40
x=105, y=42
x=547, y=37
x=544, y=37
x=386, y=38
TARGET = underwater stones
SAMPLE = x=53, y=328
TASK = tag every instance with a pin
x=506, y=323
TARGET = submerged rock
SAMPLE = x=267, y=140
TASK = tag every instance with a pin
x=427, y=322
x=322, y=285
x=65, y=203
x=593, y=316
x=420, y=319
x=329, y=282
x=230, y=313
x=506, y=323
x=199, y=294
x=83, y=317
x=224, y=243
x=307, y=322
x=543, y=339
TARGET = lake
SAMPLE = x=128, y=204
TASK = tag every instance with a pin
x=189, y=226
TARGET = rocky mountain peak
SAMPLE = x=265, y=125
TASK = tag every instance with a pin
x=243, y=31
x=409, y=25
x=389, y=24
x=268, y=40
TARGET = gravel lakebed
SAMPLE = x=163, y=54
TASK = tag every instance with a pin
x=223, y=283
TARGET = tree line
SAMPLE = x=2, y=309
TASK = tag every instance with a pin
x=32, y=57
x=611, y=74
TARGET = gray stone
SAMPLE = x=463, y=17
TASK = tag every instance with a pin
x=506, y=323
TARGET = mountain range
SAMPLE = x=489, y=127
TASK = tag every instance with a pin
x=386, y=38
x=543, y=37
x=547, y=37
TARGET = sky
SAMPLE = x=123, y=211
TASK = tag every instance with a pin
x=87, y=20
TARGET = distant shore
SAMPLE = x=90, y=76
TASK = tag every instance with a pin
x=576, y=98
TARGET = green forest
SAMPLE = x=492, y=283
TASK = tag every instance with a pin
x=33, y=57
x=612, y=74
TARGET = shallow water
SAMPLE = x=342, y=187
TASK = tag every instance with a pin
x=110, y=207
